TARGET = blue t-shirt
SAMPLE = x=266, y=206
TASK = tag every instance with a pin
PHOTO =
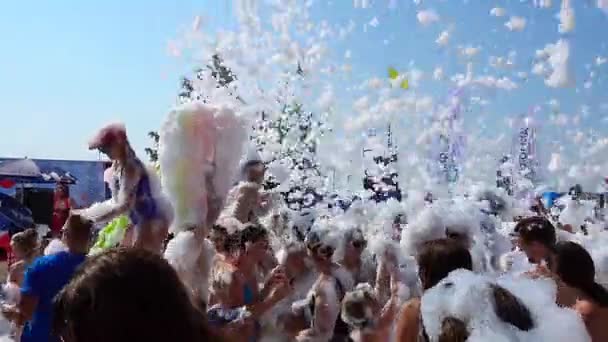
x=44, y=279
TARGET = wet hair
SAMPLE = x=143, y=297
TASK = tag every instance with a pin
x=453, y=330
x=575, y=267
x=217, y=228
x=356, y=307
x=356, y=310
x=252, y=163
x=27, y=241
x=510, y=309
x=234, y=242
x=457, y=236
x=293, y=249
x=126, y=295
x=399, y=219
x=315, y=244
x=253, y=233
x=218, y=234
x=438, y=258
x=248, y=166
x=536, y=229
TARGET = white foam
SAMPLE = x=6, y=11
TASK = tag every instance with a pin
x=468, y=297
x=55, y=246
x=498, y=12
x=517, y=24
x=427, y=17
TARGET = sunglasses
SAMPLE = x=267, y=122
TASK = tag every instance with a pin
x=322, y=250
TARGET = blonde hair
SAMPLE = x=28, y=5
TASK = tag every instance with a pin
x=27, y=241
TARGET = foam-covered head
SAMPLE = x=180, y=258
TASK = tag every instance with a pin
x=115, y=133
x=321, y=243
x=301, y=223
x=360, y=307
x=536, y=237
x=426, y=226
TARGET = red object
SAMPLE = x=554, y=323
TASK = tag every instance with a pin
x=7, y=183
x=61, y=211
x=5, y=243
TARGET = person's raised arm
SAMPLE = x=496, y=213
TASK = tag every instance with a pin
x=390, y=309
x=383, y=277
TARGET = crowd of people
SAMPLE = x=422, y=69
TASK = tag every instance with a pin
x=250, y=270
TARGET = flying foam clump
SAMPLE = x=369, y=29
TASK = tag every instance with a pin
x=515, y=23
x=427, y=17
x=566, y=17
x=553, y=63
x=196, y=173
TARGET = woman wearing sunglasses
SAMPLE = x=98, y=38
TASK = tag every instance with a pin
x=135, y=191
x=355, y=259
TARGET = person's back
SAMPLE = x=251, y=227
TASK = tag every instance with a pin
x=594, y=316
x=44, y=279
x=574, y=271
x=47, y=276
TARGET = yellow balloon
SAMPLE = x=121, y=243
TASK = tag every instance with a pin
x=393, y=73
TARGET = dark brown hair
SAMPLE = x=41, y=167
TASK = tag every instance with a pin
x=438, y=258
x=510, y=309
x=127, y=295
x=536, y=229
x=234, y=242
x=453, y=330
x=575, y=267
x=253, y=233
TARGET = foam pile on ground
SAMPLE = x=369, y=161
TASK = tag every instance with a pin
x=468, y=297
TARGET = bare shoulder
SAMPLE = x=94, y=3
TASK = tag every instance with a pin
x=585, y=308
x=17, y=266
x=249, y=186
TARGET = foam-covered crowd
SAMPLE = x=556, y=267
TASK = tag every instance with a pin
x=202, y=258
x=422, y=244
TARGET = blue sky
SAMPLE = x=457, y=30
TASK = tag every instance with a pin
x=67, y=67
